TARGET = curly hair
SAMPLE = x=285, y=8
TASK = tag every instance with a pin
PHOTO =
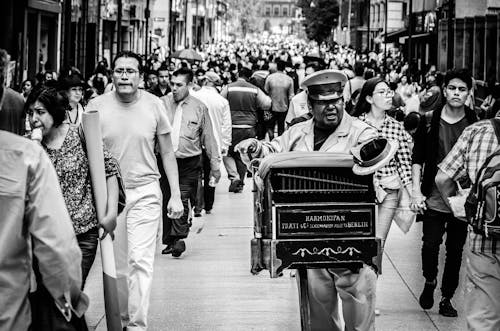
x=55, y=102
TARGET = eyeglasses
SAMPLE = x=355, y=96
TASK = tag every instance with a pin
x=387, y=93
x=128, y=71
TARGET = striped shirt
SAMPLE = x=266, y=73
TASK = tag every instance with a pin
x=472, y=148
x=401, y=163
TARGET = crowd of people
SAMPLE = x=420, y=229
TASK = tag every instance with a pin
x=169, y=125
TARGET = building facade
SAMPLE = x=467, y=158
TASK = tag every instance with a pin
x=278, y=17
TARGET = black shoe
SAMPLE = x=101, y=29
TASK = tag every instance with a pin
x=179, y=248
x=197, y=214
x=426, y=299
x=446, y=308
x=234, y=184
x=167, y=250
x=208, y=211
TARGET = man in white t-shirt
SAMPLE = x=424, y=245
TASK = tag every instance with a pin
x=131, y=121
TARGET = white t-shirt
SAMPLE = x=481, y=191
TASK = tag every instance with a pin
x=129, y=132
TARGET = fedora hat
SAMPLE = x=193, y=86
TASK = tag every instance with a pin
x=325, y=84
x=372, y=155
x=72, y=81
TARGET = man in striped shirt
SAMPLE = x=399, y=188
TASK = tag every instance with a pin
x=482, y=289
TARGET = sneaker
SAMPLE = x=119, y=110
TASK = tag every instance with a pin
x=179, y=248
x=197, y=214
x=209, y=211
x=377, y=312
x=446, y=308
x=426, y=299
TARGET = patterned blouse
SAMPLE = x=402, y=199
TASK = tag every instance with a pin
x=401, y=163
x=72, y=168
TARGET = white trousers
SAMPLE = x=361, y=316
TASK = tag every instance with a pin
x=134, y=246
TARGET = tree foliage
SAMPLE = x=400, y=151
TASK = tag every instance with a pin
x=244, y=13
x=320, y=17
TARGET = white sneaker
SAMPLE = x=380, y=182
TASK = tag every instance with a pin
x=377, y=312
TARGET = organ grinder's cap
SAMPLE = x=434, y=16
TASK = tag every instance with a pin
x=325, y=84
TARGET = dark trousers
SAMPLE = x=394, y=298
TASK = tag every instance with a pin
x=88, y=242
x=279, y=119
x=189, y=172
x=206, y=194
x=239, y=135
x=435, y=225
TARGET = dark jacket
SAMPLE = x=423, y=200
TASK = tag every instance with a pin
x=426, y=139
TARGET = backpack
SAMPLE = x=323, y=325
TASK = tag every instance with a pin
x=482, y=206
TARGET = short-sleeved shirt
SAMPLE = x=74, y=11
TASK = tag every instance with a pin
x=473, y=146
x=72, y=168
x=448, y=136
x=129, y=132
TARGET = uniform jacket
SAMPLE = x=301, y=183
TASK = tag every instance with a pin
x=34, y=220
x=300, y=137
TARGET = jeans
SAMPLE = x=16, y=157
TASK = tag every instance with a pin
x=435, y=225
x=88, y=242
x=189, y=172
x=206, y=194
x=482, y=302
x=357, y=292
x=233, y=163
x=386, y=211
x=135, y=246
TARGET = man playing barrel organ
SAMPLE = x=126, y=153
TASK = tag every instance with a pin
x=329, y=130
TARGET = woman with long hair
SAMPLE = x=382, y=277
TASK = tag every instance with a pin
x=374, y=101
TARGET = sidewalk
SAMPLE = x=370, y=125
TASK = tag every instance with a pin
x=210, y=287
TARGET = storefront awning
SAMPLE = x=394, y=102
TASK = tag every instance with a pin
x=402, y=40
x=395, y=35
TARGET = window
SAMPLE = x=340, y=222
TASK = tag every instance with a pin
x=284, y=10
x=276, y=11
x=268, y=11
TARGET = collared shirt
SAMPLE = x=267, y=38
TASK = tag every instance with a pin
x=401, y=163
x=279, y=86
x=196, y=129
x=472, y=148
x=299, y=106
x=300, y=137
x=220, y=114
x=34, y=220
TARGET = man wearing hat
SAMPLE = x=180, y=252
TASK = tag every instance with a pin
x=220, y=116
x=329, y=130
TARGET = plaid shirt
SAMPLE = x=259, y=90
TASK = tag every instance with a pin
x=401, y=163
x=472, y=148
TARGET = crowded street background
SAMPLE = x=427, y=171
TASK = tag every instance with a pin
x=173, y=126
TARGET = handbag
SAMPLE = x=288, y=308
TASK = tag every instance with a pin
x=404, y=216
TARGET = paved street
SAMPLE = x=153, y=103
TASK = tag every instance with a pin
x=210, y=286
